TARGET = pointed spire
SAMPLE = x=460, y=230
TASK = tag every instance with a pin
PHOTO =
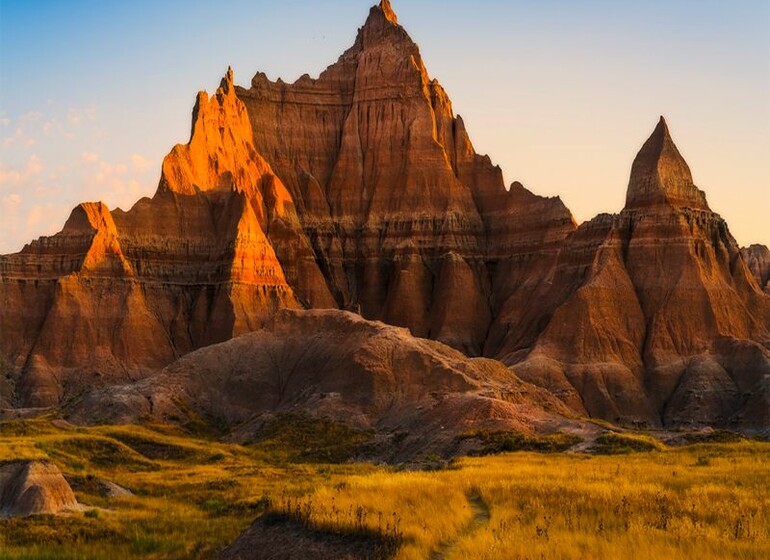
x=388, y=12
x=381, y=18
x=227, y=81
x=660, y=175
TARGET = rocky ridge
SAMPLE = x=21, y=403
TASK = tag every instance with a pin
x=361, y=190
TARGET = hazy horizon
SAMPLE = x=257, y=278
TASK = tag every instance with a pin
x=561, y=96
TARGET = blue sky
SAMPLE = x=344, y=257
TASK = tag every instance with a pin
x=561, y=94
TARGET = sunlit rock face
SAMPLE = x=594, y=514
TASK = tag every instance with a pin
x=116, y=295
x=361, y=190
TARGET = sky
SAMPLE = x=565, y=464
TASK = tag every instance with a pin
x=561, y=94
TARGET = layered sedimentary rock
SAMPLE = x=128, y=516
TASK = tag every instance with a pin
x=34, y=488
x=361, y=190
x=337, y=365
x=757, y=257
x=403, y=214
x=117, y=295
x=663, y=322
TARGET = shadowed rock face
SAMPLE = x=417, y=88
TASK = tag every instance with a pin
x=361, y=190
x=34, y=488
x=663, y=322
x=757, y=258
x=404, y=216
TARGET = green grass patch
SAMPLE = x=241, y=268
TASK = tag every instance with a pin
x=503, y=442
x=97, y=451
x=304, y=439
x=618, y=444
x=716, y=436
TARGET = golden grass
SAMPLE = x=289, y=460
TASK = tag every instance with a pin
x=193, y=496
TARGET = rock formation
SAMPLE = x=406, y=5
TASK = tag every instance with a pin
x=361, y=190
x=663, y=322
x=34, y=488
x=403, y=215
x=335, y=364
x=757, y=257
x=116, y=295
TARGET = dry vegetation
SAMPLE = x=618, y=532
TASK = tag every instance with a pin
x=194, y=495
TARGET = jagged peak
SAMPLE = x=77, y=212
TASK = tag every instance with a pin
x=381, y=15
x=381, y=24
x=227, y=81
x=87, y=217
x=661, y=176
x=387, y=11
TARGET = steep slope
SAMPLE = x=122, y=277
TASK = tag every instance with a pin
x=117, y=295
x=361, y=190
x=757, y=258
x=337, y=365
x=666, y=324
x=386, y=209
x=403, y=214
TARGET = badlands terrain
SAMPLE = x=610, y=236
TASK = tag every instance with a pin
x=332, y=301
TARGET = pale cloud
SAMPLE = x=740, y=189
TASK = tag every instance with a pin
x=118, y=184
x=30, y=128
x=31, y=117
x=50, y=162
x=89, y=157
x=11, y=201
x=12, y=175
x=141, y=163
x=18, y=138
x=34, y=165
x=76, y=116
x=35, y=216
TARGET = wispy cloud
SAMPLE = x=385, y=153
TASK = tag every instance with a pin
x=38, y=188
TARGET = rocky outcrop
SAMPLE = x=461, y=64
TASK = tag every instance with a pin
x=403, y=214
x=34, y=488
x=336, y=365
x=663, y=322
x=117, y=295
x=757, y=258
x=361, y=190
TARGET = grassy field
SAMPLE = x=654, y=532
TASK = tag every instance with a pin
x=193, y=495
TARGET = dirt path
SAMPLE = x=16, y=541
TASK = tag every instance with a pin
x=480, y=518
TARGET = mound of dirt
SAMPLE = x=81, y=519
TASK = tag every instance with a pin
x=275, y=538
x=336, y=365
x=34, y=488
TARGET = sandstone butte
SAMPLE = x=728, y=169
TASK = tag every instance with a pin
x=360, y=190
